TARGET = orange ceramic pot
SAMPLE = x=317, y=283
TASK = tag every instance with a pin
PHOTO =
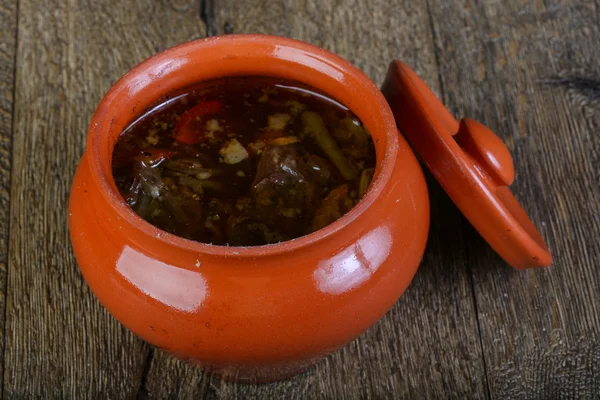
x=256, y=313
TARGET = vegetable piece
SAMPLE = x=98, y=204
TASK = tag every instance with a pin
x=295, y=107
x=146, y=206
x=217, y=237
x=192, y=153
x=213, y=125
x=174, y=206
x=243, y=231
x=350, y=131
x=220, y=207
x=284, y=182
x=191, y=167
x=243, y=204
x=336, y=204
x=271, y=235
x=185, y=215
x=365, y=179
x=188, y=129
x=315, y=128
x=233, y=152
x=269, y=135
x=256, y=148
x=199, y=185
x=153, y=157
x=142, y=204
x=132, y=192
x=278, y=122
x=152, y=184
x=285, y=140
x=352, y=138
x=321, y=168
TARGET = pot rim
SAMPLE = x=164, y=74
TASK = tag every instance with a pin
x=361, y=89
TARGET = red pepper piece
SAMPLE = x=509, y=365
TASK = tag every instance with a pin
x=154, y=156
x=188, y=129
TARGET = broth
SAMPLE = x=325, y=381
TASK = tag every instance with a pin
x=244, y=161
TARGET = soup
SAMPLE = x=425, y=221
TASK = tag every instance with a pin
x=244, y=161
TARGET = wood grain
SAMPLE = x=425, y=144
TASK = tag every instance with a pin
x=428, y=344
x=467, y=327
x=529, y=70
x=60, y=343
x=8, y=21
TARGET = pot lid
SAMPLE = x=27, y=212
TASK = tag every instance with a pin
x=472, y=165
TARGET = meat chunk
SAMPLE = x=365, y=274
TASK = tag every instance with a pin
x=321, y=169
x=285, y=189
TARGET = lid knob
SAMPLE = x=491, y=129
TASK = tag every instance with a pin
x=487, y=149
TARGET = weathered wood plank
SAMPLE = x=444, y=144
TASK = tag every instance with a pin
x=60, y=343
x=8, y=43
x=529, y=70
x=428, y=344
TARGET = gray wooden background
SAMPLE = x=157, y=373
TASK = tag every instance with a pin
x=468, y=326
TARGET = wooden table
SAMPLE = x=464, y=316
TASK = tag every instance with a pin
x=468, y=326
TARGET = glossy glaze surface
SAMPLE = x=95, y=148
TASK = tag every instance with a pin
x=471, y=163
x=263, y=312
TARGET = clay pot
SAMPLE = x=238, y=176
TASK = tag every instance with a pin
x=258, y=313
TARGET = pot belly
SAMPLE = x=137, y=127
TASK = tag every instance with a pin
x=251, y=319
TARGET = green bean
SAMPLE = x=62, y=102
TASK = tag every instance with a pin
x=142, y=204
x=315, y=128
x=152, y=183
x=174, y=206
x=153, y=207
